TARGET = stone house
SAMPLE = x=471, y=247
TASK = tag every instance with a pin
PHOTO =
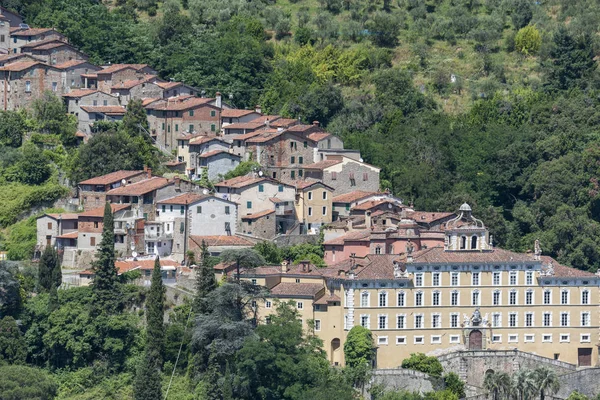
x=25, y=81
x=261, y=224
x=168, y=118
x=52, y=226
x=21, y=37
x=91, y=114
x=242, y=128
x=76, y=99
x=282, y=153
x=4, y=34
x=92, y=192
x=344, y=174
x=11, y=58
x=14, y=19
x=235, y=116
x=217, y=244
x=54, y=51
x=253, y=194
x=174, y=89
x=73, y=71
x=325, y=143
x=146, y=87
x=113, y=75
x=217, y=163
x=343, y=203
x=90, y=224
x=313, y=204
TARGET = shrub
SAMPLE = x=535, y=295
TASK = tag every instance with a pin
x=423, y=363
x=528, y=40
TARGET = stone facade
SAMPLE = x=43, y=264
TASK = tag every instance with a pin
x=55, y=53
x=116, y=74
x=23, y=82
x=261, y=225
x=72, y=72
x=144, y=89
x=346, y=176
x=28, y=37
x=76, y=99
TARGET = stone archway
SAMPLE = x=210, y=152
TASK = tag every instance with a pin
x=475, y=340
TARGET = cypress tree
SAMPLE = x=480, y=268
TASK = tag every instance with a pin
x=155, y=327
x=49, y=272
x=205, y=282
x=53, y=299
x=107, y=296
x=147, y=384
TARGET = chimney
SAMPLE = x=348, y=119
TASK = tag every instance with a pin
x=267, y=123
x=349, y=224
x=218, y=102
x=258, y=109
x=149, y=172
x=177, y=181
x=305, y=265
x=316, y=124
x=367, y=219
x=284, y=267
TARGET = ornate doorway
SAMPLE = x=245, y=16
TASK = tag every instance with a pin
x=475, y=340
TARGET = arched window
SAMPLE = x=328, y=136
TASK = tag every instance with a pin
x=364, y=299
x=463, y=242
x=435, y=298
x=401, y=299
x=473, y=242
x=419, y=298
x=382, y=299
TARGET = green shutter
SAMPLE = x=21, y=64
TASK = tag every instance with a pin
x=213, y=127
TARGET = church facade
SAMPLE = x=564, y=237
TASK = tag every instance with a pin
x=465, y=294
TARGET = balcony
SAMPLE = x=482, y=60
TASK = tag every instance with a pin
x=158, y=236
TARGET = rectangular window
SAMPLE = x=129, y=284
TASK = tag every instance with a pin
x=213, y=113
x=454, y=279
x=182, y=209
x=585, y=338
x=213, y=127
x=419, y=279
x=496, y=298
x=49, y=225
x=529, y=297
x=364, y=299
x=401, y=299
x=475, y=279
x=512, y=320
x=513, y=278
x=324, y=195
x=585, y=297
x=28, y=86
x=310, y=195
x=400, y=339
x=565, y=338
x=529, y=278
x=400, y=322
x=475, y=298
x=497, y=320
x=564, y=297
x=513, y=338
x=309, y=211
x=585, y=318
x=227, y=226
x=496, y=338
x=435, y=298
x=435, y=320
x=436, y=339
x=292, y=160
x=418, y=321
x=164, y=208
x=419, y=340
x=382, y=340
x=435, y=279
x=199, y=210
x=365, y=176
x=280, y=188
x=317, y=324
x=248, y=204
x=293, y=174
x=261, y=188
x=227, y=212
x=334, y=176
x=496, y=278
x=454, y=320
x=564, y=319
x=454, y=298
x=383, y=322
x=268, y=304
x=547, y=319
x=324, y=210
x=92, y=241
x=529, y=319
x=419, y=299
x=547, y=297
x=300, y=305
x=547, y=338
x=300, y=160
x=54, y=86
x=191, y=128
x=192, y=113
x=176, y=127
x=512, y=298
x=383, y=299
x=529, y=338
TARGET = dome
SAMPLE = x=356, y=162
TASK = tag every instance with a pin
x=465, y=207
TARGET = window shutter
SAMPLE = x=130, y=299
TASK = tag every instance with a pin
x=365, y=176
x=351, y=175
x=334, y=176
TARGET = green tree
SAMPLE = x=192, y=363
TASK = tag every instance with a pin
x=571, y=60
x=19, y=382
x=575, y=395
x=242, y=169
x=13, y=349
x=106, y=289
x=147, y=383
x=546, y=381
x=423, y=363
x=205, y=281
x=135, y=120
x=454, y=384
x=155, y=327
x=359, y=349
x=51, y=118
x=10, y=290
x=523, y=384
x=49, y=271
x=521, y=13
x=384, y=29
x=33, y=168
x=528, y=40
x=12, y=128
x=242, y=258
x=270, y=251
x=498, y=384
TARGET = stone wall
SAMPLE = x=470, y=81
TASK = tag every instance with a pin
x=585, y=381
x=406, y=379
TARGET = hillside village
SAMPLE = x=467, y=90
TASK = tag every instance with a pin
x=419, y=279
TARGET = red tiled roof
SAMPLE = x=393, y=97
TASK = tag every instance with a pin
x=328, y=298
x=349, y=237
x=175, y=105
x=147, y=101
x=353, y=196
x=216, y=152
x=201, y=139
x=258, y=215
x=54, y=44
x=118, y=67
x=109, y=110
x=235, y=113
x=428, y=217
x=168, y=85
x=264, y=136
x=249, y=135
x=322, y=164
x=284, y=123
x=296, y=289
x=111, y=178
x=80, y=93
x=563, y=271
x=218, y=240
x=133, y=82
x=367, y=205
x=240, y=181
x=306, y=183
x=99, y=212
x=128, y=265
x=70, y=216
x=80, y=134
x=70, y=235
x=31, y=32
x=246, y=125
x=11, y=56
x=437, y=254
x=70, y=63
x=21, y=65
x=182, y=199
x=317, y=136
x=140, y=188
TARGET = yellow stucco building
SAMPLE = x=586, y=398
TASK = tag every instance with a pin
x=463, y=295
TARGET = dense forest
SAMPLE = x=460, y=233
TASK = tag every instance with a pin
x=493, y=102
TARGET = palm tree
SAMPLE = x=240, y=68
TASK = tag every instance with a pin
x=546, y=381
x=523, y=384
x=497, y=383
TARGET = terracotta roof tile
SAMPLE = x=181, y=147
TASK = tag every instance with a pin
x=235, y=113
x=32, y=32
x=306, y=183
x=297, y=289
x=53, y=45
x=176, y=105
x=248, y=135
x=317, y=136
x=284, y=123
x=182, y=199
x=21, y=65
x=367, y=205
x=109, y=110
x=113, y=177
x=65, y=216
x=258, y=215
x=126, y=85
x=428, y=217
x=563, y=271
x=118, y=67
x=240, y=181
x=77, y=93
x=168, y=85
x=148, y=264
x=149, y=100
x=99, y=212
x=353, y=196
x=219, y=240
x=328, y=298
x=69, y=64
x=245, y=125
x=140, y=188
x=322, y=164
x=437, y=255
x=362, y=235
x=217, y=152
x=201, y=139
x=300, y=128
x=70, y=235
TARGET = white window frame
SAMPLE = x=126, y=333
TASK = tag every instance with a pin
x=589, y=317
x=549, y=291
x=439, y=320
x=499, y=275
x=403, y=321
x=422, y=341
x=499, y=315
x=516, y=315
x=516, y=297
x=268, y=304
x=386, y=319
x=402, y=303
x=513, y=278
x=587, y=293
x=433, y=279
x=367, y=318
x=478, y=302
x=473, y=275
x=496, y=338
x=382, y=295
x=382, y=340
x=532, y=319
x=300, y=305
x=529, y=338
x=513, y=338
x=530, y=293
x=455, y=274
x=562, y=339
x=436, y=339
x=400, y=340
x=439, y=298
x=564, y=302
x=419, y=293
x=583, y=339
x=499, y=294
x=529, y=278
x=317, y=325
x=549, y=313
x=457, y=297
x=454, y=339
x=546, y=338
x=457, y=315
x=568, y=314
x=368, y=297
x=422, y=319
x=419, y=279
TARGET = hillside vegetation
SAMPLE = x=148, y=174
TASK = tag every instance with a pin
x=493, y=102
